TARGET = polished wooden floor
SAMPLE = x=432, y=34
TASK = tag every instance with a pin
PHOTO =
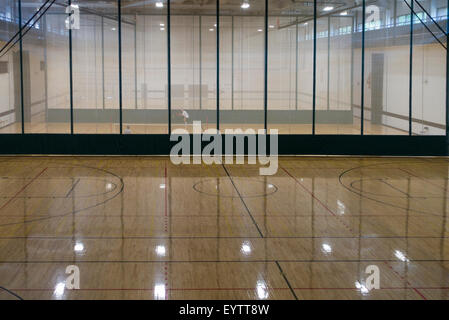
x=143, y=228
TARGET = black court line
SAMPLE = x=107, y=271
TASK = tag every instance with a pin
x=365, y=167
x=231, y=196
x=212, y=237
x=72, y=188
x=390, y=196
x=11, y=293
x=243, y=201
x=286, y=280
x=397, y=189
x=233, y=215
x=76, y=211
x=224, y=261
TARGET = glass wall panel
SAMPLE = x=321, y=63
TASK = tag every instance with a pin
x=285, y=113
x=95, y=69
x=338, y=44
x=144, y=71
x=429, y=70
x=305, y=72
x=46, y=73
x=227, y=61
x=193, y=65
x=387, y=60
x=46, y=86
x=10, y=105
x=242, y=50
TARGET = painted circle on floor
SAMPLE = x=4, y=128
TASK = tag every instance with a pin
x=402, y=185
x=68, y=188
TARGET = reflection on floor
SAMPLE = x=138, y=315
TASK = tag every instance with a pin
x=143, y=228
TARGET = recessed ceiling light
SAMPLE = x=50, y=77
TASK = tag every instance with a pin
x=245, y=5
x=159, y=5
x=271, y=26
x=162, y=24
x=162, y=29
x=211, y=29
x=329, y=8
x=259, y=30
x=113, y=29
x=344, y=13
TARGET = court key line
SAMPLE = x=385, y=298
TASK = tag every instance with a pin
x=318, y=200
x=333, y=214
x=23, y=188
x=243, y=201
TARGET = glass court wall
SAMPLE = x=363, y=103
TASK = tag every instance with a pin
x=148, y=67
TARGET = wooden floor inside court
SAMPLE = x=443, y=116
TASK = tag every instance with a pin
x=143, y=228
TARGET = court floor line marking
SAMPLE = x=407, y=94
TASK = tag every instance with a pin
x=220, y=261
x=76, y=211
x=286, y=280
x=213, y=237
x=225, y=289
x=318, y=200
x=73, y=187
x=243, y=201
x=166, y=272
x=274, y=216
x=365, y=167
x=11, y=292
x=23, y=188
x=414, y=288
x=395, y=188
x=421, y=178
x=165, y=199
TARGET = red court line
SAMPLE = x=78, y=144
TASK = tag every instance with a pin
x=23, y=188
x=414, y=288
